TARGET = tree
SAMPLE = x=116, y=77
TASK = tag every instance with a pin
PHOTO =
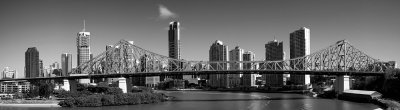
x=46, y=89
x=33, y=92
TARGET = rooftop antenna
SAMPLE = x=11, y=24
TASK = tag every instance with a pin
x=84, y=26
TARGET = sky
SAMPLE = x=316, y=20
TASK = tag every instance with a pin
x=372, y=26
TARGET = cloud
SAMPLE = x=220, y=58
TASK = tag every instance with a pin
x=165, y=13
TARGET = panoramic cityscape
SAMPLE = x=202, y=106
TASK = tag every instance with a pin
x=199, y=55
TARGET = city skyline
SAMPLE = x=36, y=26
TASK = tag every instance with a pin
x=361, y=23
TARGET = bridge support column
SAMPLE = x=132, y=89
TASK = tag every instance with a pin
x=342, y=83
x=69, y=85
x=125, y=83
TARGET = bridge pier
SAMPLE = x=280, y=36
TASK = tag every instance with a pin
x=342, y=83
x=69, y=85
x=125, y=83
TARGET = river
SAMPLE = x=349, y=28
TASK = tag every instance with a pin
x=206, y=100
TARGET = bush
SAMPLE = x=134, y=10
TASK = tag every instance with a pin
x=66, y=94
x=107, y=100
x=106, y=96
x=113, y=91
x=69, y=102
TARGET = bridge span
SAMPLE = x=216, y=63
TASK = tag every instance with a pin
x=127, y=60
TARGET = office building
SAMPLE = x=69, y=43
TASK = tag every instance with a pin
x=218, y=52
x=174, y=40
x=235, y=54
x=83, y=49
x=249, y=80
x=8, y=73
x=274, y=52
x=66, y=63
x=83, y=46
x=32, y=63
x=41, y=68
x=14, y=87
x=299, y=47
x=174, y=48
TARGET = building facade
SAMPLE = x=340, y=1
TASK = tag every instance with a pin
x=273, y=52
x=299, y=47
x=218, y=52
x=174, y=40
x=32, y=63
x=66, y=63
x=235, y=54
x=8, y=73
x=249, y=80
x=174, y=48
x=41, y=68
x=83, y=49
x=14, y=87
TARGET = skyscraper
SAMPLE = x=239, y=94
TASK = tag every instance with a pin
x=32, y=63
x=66, y=63
x=273, y=52
x=174, y=47
x=249, y=79
x=299, y=47
x=83, y=46
x=41, y=69
x=235, y=54
x=218, y=52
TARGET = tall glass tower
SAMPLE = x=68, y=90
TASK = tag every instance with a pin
x=299, y=47
x=174, y=48
x=174, y=44
x=32, y=63
x=66, y=63
x=83, y=46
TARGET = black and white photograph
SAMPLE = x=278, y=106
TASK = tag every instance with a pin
x=199, y=54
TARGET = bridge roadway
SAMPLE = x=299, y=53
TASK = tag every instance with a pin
x=171, y=73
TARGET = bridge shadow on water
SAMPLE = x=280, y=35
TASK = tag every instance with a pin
x=262, y=99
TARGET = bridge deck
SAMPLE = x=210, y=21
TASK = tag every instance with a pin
x=170, y=73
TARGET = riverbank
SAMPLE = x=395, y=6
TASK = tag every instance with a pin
x=29, y=103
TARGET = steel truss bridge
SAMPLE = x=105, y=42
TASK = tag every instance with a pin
x=125, y=59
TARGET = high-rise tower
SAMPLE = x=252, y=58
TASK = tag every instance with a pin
x=218, y=52
x=174, y=44
x=32, y=63
x=83, y=46
x=235, y=54
x=66, y=63
x=274, y=52
x=299, y=47
x=249, y=79
x=174, y=47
